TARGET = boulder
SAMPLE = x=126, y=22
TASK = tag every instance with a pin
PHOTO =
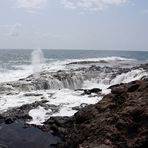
x=119, y=120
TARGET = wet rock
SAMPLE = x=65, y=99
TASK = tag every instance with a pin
x=118, y=90
x=79, y=107
x=55, y=125
x=53, y=107
x=89, y=91
x=20, y=112
x=133, y=86
x=72, y=78
x=84, y=62
x=144, y=66
x=32, y=94
x=95, y=90
x=9, y=120
x=76, y=108
x=144, y=78
x=119, y=120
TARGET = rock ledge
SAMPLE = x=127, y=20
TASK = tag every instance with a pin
x=119, y=120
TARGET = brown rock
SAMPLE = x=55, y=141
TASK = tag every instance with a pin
x=119, y=120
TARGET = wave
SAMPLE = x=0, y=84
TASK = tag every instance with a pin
x=22, y=71
x=57, y=83
x=14, y=75
x=68, y=99
x=129, y=76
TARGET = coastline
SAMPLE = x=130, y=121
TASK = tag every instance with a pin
x=102, y=124
x=118, y=120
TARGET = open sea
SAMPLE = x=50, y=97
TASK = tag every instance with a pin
x=11, y=59
x=15, y=64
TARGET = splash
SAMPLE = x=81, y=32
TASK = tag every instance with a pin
x=37, y=61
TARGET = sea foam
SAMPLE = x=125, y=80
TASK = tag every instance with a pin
x=37, y=61
x=64, y=97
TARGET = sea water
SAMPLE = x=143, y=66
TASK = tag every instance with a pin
x=18, y=64
x=16, y=135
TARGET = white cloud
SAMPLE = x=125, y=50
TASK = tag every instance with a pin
x=95, y=5
x=145, y=11
x=15, y=30
x=10, y=30
x=31, y=5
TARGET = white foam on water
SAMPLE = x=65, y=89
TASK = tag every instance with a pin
x=57, y=65
x=53, y=66
x=11, y=101
x=39, y=115
x=92, y=84
x=66, y=99
x=71, y=98
x=14, y=75
x=107, y=59
x=129, y=76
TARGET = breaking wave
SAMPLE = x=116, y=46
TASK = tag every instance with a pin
x=61, y=83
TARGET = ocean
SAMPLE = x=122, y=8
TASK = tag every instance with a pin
x=61, y=76
x=18, y=62
x=9, y=58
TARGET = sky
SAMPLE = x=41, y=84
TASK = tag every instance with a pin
x=74, y=24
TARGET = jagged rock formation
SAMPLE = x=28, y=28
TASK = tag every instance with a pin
x=18, y=113
x=119, y=120
x=72, y=79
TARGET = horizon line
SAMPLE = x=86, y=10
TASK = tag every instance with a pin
x=70, y=49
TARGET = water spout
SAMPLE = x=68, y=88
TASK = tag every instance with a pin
x=37, y=61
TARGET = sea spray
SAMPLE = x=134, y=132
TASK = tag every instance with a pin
x=37, y=61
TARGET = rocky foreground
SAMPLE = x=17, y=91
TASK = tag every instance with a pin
x=119, y=120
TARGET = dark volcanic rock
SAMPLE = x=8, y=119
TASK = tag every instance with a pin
x=86, y=62
x=72, y=78
x=144, y=66
x=119, y=120
x=89, y=91
x=19, y=112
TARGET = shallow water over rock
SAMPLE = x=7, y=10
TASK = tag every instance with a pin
x=15, y=135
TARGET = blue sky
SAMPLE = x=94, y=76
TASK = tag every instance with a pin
x=74, y=24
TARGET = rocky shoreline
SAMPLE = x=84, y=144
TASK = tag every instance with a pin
x=120, y=119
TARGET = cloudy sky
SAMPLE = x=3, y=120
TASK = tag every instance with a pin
x=74, y=24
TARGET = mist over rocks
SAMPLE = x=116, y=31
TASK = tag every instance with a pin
x=71, y=78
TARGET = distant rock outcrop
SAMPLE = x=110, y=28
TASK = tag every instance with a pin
x=72, y=79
